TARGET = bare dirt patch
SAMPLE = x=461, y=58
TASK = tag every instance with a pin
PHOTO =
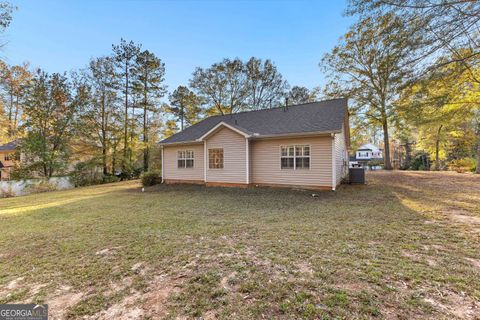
x=305, y=268
x=155, y=299
x=107, y=252
x=150, y=304
x=475, y=262
x=466, y=219
x=62, y=299
x=420, y=258
x=457, y=305
x=225, y=282
x=14, y=284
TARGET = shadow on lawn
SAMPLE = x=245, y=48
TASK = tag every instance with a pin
x=33, y=202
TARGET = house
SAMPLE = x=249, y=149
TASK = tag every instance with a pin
x=293, y=146
x=7, y=158
x=365, y=154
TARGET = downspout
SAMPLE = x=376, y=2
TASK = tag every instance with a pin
x=163, y=167
x=247, y=148
x=334, y=169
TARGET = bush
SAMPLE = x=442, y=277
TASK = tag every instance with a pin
x=90, y=173
x=110, y=179
x=420, y=162
x=463, y=165
x=151, y=178
x=441, y=166
x=86, y=174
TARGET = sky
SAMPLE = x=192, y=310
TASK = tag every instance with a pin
x=64, y=35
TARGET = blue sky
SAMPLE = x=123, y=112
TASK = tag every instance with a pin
x=63, y=35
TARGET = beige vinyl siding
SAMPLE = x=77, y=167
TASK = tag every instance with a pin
x=234, y=157
x=266, y=168
x=171, y=171
x=341, y=156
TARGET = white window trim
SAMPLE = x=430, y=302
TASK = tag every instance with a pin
x=205, y=161
x=192, y=158
x=294, y=156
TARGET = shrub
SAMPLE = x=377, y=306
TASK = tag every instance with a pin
x=420, y=161
x=110, y=179
x=151, y=178
x=136, y=173
x=86, y=174
x=463, y=165
x=441, y=166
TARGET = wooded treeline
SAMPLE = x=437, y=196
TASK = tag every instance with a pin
x=409, y=68
x=110, y=114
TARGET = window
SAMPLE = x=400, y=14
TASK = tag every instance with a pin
x=11, y=157
x=215, y=158
x=185, y=159
x=295, y=157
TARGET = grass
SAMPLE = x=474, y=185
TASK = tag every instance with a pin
x=404, y=246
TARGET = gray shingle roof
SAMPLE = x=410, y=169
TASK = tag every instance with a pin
x=8, y=146
x=322, y=116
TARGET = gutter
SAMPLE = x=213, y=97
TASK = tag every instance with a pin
x=179, y=142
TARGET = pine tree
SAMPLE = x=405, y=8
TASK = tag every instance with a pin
x=185, y=106
x=148, y=85
x=125, y=54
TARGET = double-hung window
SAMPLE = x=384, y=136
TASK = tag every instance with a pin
x=185, y=159
x=295, y=157
x=12, y=156
x=215, y=158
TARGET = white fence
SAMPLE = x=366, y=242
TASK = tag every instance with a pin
x=16, y=188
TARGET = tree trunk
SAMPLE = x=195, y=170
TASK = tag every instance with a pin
x=104, y=138
x=132, y=134
x=478, y=149
x=145, y=130
x=114, y=158
x=437, y=149
x=10, y=113
x=182, y=116
x=15, y=118
x=408, y=154
x=125, y=133
x=45, y=168
x=386, y=142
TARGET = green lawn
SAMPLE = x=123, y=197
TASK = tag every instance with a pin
x=407, y=245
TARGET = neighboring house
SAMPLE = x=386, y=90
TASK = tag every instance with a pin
x=294, y=146
x=365, y=154
x=7, y=159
